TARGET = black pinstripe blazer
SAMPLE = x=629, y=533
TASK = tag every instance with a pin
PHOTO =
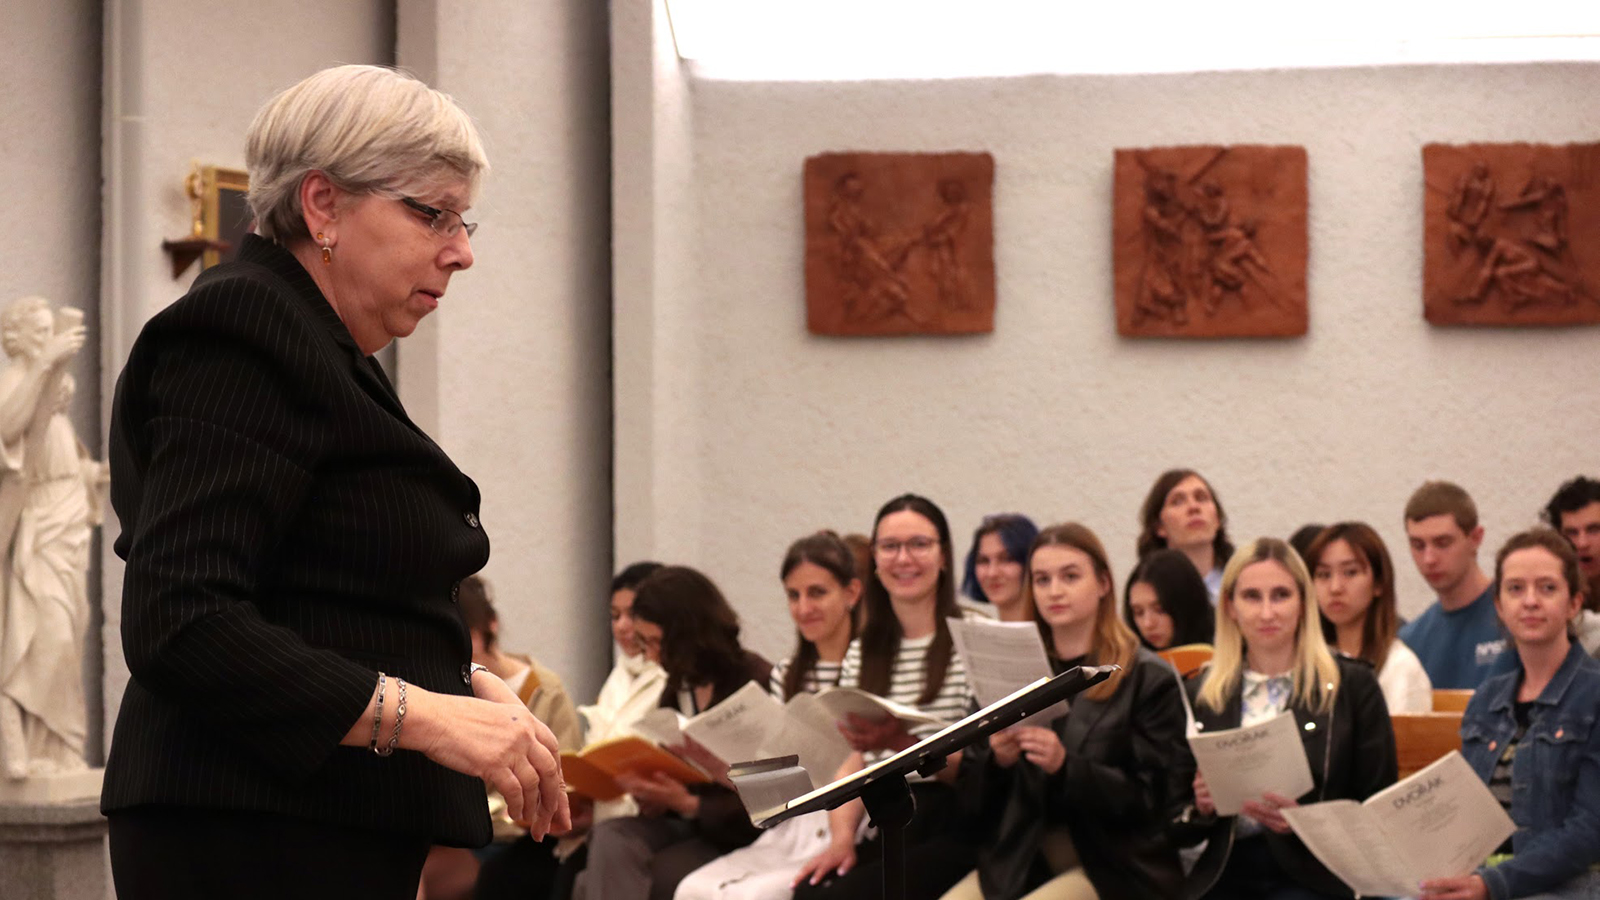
x=288, y=533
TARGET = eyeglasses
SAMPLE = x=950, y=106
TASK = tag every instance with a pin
x=444, y=222
x=917, y=546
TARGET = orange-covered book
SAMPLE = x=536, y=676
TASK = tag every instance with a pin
x=592, y=771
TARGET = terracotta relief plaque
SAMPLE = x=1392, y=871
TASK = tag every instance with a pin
x=899, y=243
x=1511, y=234
x=1210, y=241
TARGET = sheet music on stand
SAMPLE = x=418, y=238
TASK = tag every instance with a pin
x=882, y=786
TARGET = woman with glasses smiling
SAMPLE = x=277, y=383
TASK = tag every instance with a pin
x=905, y=653
x=302, y=717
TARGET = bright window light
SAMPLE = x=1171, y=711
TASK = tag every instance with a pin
x=862, y=39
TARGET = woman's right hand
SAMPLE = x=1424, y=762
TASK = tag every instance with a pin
x=495, y=738
x=1007, y=747
x=866, y=735
x=1203, y=803
x=838, y=859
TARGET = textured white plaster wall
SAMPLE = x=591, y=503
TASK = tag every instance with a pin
x=182, y=81
x=519, y=354
x=51, y=230
x=779, y=432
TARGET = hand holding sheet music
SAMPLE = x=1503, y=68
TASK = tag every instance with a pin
x=1242, y=764
x=1002, y=657
x=1440, y=822
x=752, y=724
x=925, y=755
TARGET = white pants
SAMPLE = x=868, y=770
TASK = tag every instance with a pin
x=765, y=869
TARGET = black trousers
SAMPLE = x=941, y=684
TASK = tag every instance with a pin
x=170, y=853
x=524, y=869
x=938, y=854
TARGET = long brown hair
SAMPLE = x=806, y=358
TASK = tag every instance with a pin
x=1114, y=642
x=1382, y=623
x=881, y=635
x=699, y=630
x=829, y=552
x=1155, y=501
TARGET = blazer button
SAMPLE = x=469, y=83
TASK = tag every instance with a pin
x=455, y=592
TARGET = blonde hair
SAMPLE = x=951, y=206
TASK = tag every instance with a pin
x=1115, y=644
x=1314, y=673
x=370, y=129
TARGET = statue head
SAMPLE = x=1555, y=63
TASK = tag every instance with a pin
x=25, y=326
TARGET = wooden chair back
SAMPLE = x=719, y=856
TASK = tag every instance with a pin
x=1421, y=738
x=1188, y=658
x=1446, y=700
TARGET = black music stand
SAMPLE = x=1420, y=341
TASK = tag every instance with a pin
x=882, y=786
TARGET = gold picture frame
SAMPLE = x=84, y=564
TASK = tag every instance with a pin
x=225, y=216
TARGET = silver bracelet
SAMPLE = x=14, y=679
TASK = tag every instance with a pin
x=377, y=714
x=399, y=717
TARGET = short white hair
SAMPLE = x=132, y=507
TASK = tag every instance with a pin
x=370, y=129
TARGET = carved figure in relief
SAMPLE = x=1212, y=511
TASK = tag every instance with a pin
x=1519, y=273
x=1548, y=201
x=1194, y=250
x=1209, y=241
x=940, y=237
x=1521, y=255
x=1212, y=209
x=1470, y=202
x=871, y=273
x=48, y=502
x=1160, y=293
x=1233, y=247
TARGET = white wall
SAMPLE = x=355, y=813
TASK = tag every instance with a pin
x=182, y=82
x=519, y=349
x=775, y=432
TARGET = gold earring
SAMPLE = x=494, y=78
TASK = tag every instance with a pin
x=327, y=250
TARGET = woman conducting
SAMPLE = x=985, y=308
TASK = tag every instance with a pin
x=302, y=718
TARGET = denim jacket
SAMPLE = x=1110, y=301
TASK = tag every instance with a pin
x=1555, y=779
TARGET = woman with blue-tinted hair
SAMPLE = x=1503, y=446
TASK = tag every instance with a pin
x=994, y=566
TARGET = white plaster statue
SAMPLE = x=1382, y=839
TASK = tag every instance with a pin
x=49, y=499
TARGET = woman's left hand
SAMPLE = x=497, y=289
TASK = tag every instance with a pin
x=1266, y=811
x=1042, y=747
x=494, y=737
x=1467, y=887
x=661, y=790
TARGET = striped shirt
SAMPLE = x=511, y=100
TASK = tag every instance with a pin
x=1500, y=776
x=823, y=674
x=954, y=700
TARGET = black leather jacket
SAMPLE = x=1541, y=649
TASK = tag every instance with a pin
x=1352, y=756
x=1127, y=776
